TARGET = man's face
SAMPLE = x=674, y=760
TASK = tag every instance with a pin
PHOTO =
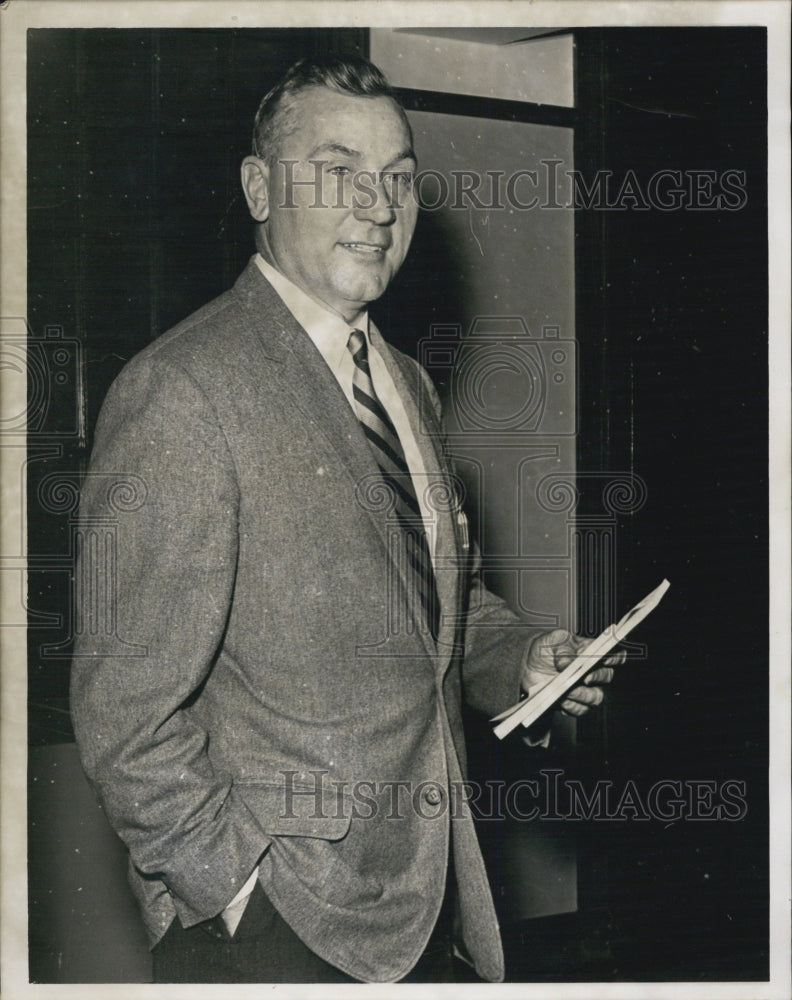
x=341, y=227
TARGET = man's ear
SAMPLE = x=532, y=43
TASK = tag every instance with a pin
x=255, y=184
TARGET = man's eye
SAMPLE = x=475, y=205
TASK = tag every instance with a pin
x=339, y=171
x=403, y=178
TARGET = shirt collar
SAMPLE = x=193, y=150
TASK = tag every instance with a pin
x=328, y=331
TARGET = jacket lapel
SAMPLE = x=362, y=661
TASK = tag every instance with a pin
x=304, y=376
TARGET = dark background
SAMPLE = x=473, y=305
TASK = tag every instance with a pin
x=135, y=219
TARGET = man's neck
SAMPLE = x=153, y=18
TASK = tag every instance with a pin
x=353, y=319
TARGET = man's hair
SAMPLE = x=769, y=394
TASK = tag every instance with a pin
x=350, y=74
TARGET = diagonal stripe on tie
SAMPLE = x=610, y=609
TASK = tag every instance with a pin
x=375, y=407
x=389, y=449
x=389, y=454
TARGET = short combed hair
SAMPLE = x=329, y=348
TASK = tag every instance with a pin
x=346, y=74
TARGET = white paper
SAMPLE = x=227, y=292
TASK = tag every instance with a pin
x=528, y=711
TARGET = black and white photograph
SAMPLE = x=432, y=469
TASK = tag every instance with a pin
x=395, y=467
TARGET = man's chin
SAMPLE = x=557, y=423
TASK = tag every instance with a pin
x=360, y=294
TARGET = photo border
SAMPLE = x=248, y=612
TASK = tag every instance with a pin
x=16, y=16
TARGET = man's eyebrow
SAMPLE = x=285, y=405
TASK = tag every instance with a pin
x=335, y=147
x=405, y=154
x=340, y=150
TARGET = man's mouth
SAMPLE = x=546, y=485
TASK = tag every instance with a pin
x=368, y=249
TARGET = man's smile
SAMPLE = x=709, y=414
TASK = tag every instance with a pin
x=365, y=249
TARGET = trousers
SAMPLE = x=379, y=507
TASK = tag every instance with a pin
x=264, y=949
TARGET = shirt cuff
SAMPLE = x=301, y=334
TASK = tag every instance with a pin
x=542, y=741
x=235, y=910
x=246, y=889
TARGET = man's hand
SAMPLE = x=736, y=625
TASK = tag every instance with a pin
x=553, y=652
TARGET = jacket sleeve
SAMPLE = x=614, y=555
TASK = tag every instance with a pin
x=496, y=647
x=167, y=592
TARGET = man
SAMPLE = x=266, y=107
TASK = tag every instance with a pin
x=282, y=762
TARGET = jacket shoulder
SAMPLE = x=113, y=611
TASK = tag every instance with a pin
x=214, y=341
x=214, y=328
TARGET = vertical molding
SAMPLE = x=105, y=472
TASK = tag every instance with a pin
x=80, y=264
x=155, y=255
x=590, y=258
x=593, y=411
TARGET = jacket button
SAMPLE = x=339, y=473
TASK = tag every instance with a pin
x=432, y=796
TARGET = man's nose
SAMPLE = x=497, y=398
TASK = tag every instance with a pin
x=372, y=203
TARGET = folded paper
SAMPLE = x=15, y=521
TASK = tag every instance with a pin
x=542, y=696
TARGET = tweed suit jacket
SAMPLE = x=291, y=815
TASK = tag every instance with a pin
x=279, y=707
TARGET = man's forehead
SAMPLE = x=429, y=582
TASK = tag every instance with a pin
x=325, y=118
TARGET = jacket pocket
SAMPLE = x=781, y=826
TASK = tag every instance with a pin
x=298, y=810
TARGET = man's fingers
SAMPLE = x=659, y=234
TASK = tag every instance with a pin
x=568, y=648
x=616, y=659
x=602, y=675
x=581, y=699
x=574, y=708
x=554, y=642
x=554, y=650
x=586, y=695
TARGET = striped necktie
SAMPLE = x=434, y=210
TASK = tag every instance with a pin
x=389, y=454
